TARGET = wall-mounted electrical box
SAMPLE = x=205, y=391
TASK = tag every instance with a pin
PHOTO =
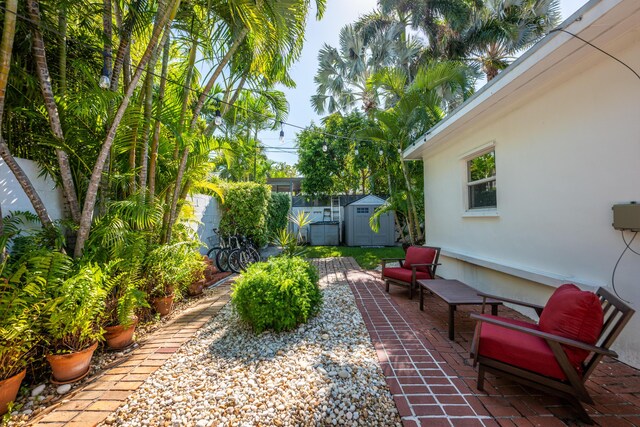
x=626, y=216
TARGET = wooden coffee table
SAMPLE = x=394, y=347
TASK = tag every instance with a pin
x=454, y=293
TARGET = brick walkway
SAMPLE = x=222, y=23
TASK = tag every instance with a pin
x=433, y=380
x=93, y=403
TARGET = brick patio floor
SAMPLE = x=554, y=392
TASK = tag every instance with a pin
x=433, y=380
x=93, y=403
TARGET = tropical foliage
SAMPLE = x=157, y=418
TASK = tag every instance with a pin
x=278, y=294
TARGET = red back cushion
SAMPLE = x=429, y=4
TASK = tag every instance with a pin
x=575, y=314
x=419, y=255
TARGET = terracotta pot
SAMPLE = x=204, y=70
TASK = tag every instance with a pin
x=119, y=337
x=163, y=305
x=196, y=287
x=9, y=390
x=67, y=368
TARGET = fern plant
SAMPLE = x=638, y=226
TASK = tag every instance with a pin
x=79, y=304
x=21, y=305
x=124, y=299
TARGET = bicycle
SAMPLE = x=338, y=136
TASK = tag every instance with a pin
x=213, y=252
x=248, y=253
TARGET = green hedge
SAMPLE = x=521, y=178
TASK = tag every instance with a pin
x=278, y=294
x=279, y=206
x=245, y=210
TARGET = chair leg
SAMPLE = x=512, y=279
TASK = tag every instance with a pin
x=480, y=384
x=387, y=282
x=582, y=414
x=410, y=290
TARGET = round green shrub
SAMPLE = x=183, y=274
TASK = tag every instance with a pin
x=278, y=294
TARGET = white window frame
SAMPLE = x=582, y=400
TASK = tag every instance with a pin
x=465, y=158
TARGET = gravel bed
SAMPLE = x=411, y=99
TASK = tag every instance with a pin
x=323, y=373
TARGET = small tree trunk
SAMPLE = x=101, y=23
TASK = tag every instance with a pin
x=68, y=186
x=225, y=60
x=153, y=157
x=412, y=211
x=92, y=189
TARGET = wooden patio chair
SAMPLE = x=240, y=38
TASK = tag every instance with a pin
x=575, y=331
x=420, y=262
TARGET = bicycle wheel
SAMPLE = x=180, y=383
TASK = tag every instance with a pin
x=254, y=255
x=245, y=259
x=222, y=260
x=211, y=254
x=234, y=261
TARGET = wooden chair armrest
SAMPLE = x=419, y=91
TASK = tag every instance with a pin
x=383, y=261
x=544, y=335
x=422, y=265
x=536, y=307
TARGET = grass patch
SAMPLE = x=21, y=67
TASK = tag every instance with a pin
x=367, y=258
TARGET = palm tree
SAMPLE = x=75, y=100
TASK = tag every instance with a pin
x=501, y=29
x=343, y=77
x=419, y=106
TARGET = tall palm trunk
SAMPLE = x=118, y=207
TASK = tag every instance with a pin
x=187, y=83
x=412, y=211
x=68, y=186
x=62, y=52
x=148, y=105
x=6, y=48
x=207, y=89
x=92, y=190
x=176, y=194
x=155, y=141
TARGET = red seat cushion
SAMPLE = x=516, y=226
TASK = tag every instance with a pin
x=419, y=255
x=518, y=349
x=403, y=274
x=574, y=314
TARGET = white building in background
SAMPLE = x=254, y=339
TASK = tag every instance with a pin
x=563, y=126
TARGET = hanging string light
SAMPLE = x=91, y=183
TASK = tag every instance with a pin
x=281, y=132
x=381, y=152
x=324, y=147
x=105, y=81
x=355, y=151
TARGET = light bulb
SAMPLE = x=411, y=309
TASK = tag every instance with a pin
x=399, y=150
x=104, y=82
x=325, y=148
x=281, y=136
x=381, y=152
x=218, y=119
x=355, y=151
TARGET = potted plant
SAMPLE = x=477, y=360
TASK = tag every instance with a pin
x=123, y=300
x=162, y=266
x=72, y=328
x=194, y=276
x=19, y=308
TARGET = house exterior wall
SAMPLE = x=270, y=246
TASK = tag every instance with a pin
x=12, y=198
x=564, y=155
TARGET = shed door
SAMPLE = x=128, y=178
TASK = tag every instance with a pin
x=362, y=233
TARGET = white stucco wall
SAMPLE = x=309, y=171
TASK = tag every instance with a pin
x=207, y=212
x=564, y=155
x=12, y=198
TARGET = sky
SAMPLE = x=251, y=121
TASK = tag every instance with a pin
x=338, y=14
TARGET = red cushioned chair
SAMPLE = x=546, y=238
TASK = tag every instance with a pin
x=557, y=355
x=419, y=263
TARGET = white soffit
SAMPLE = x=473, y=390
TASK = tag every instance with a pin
x=598, y=21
